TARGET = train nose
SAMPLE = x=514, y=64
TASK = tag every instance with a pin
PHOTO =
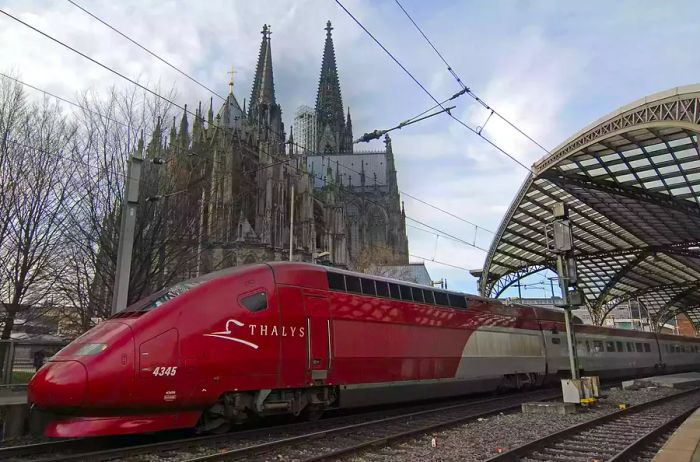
x=59, y=384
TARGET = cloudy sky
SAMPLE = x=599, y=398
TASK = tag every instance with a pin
x=551, y=67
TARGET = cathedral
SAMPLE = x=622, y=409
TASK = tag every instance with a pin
x=248, y=186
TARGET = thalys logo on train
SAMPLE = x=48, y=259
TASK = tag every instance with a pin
x=255, y=330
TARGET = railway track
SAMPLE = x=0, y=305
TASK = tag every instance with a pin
x=347, y=439
x=260, y=442
x=627, y=435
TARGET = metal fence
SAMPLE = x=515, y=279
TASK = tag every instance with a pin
x=22, y=358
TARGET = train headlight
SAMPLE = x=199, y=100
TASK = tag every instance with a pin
x=89, y=349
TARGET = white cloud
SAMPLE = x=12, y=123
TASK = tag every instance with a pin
x=549, y=67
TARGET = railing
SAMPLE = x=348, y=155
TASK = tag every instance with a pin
x=22, y=358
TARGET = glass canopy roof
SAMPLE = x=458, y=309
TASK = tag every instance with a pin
x=632, y=184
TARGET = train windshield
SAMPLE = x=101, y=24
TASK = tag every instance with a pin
x=157, y=299
x=169, y=294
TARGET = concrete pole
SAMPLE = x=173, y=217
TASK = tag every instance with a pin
x=126, y=233
x=291, y=224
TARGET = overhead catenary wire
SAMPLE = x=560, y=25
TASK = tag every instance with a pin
x=439, y=262
x=155, y=55
x=426, y=91
x=467, y=89
x=446, y=234
x=404, y=193
x=183, y=108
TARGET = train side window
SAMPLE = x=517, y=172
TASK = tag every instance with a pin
x=630, y=348
x=457, y=301
x=256, y=302
x=441, y=299
x=597, y=346
x=353, y=284
x=610, y=347
x=368, y=286
x=620, y=347
x=647, y=348
x=638, y=346
x=394, y=290
x=417, y=295
x=406, y=293
x=428, y=295
x=588, y=346
x=336, y=281
x=382, y=288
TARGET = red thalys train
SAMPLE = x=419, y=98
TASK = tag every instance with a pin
x=298, y=338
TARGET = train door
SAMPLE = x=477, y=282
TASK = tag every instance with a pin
x=318, y=339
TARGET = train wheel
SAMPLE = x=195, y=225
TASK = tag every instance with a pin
x=214, y=420
x=312, y=413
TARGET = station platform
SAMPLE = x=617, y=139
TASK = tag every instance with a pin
x=680, y=381
x=13, y=397
x=13, y=413
x=684, y=444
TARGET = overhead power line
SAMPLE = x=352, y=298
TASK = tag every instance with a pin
x=425, y=90
x=439, y=262
x=446, y=212
x=464, y=87
x=172, y=66
x=104, y=66
x=376, y=134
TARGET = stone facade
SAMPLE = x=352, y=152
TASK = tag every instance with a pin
x=236, y=172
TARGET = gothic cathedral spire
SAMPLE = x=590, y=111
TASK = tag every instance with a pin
x=264, y=113
x=330, y=120
x=264, y=84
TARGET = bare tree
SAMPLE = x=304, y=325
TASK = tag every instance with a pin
x=35, y=189
x=112, y=128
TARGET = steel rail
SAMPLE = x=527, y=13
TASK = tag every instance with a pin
x=264, y=448
x=76, y=448
x=646, y=440
x=518, y=453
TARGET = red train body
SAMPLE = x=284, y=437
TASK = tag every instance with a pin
x=292, y=338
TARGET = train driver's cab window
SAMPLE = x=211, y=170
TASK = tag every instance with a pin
x=556, y=340
x=639, y=347
x=647, y=348
x=255, y=302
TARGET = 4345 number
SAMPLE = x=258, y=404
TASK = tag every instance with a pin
x=163, y=371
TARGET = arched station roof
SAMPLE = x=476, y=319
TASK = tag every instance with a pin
x=632, y=183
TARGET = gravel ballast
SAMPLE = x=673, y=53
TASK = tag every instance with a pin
x=481, y=439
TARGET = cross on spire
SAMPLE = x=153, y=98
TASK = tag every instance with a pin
x=267, y=30
x=230, y=82
x=329, y=28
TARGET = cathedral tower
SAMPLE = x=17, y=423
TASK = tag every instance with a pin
x=332, y=130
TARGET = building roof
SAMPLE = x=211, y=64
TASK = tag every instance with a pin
x=632, y=183
x=350, y=166
x=413, y=272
